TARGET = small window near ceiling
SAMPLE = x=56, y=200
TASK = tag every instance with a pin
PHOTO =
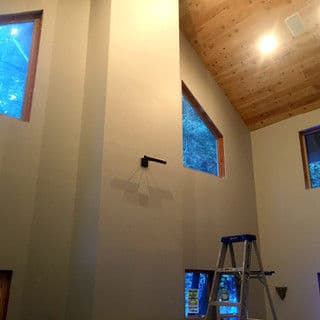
x=202, y=141
x=19, y=43
x=310, y=148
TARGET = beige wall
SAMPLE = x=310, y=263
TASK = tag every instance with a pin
x=215, y=207
x=83, y=263
x=38, y=165
x=83, y=224
x=139, y=265
x=288, y=215
x=20, y=145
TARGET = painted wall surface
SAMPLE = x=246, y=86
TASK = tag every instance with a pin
x=50, y=243
x=20, y=145
x=156, y=222
x=139, y=260
x=38, y=165
x=288, y=215
x=80, y=217
x=84, y=244
x=212, y=206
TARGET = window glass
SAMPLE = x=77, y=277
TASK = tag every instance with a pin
x=228, y=293
x=313, y=151
x=15, y=47
x=197, y=289
x=200, y=149
x=310, y=150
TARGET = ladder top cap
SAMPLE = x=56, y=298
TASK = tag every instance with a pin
x=239, y=238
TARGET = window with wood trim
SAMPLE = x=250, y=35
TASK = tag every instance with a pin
x=197, y=284
x=202, y=141
x=19, y=45
x=310, y=149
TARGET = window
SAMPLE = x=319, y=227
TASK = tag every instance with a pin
x=202, y=141
x=19, y=43
x=310, y=148
x=197, y=285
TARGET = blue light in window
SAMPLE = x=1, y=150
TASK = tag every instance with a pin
x=228, y=293
x=15, y=47
x=313, y=150
x=200, y=282
x=200, y=149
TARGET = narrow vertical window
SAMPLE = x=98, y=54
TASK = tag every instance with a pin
x=197, y=285
x=19, y=44
x=310, y=148
x=202, y=141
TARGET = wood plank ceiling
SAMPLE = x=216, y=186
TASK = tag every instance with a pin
x=263, y=88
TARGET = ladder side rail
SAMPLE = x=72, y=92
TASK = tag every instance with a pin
x=264, y=281
x=245, y=280
x=216, y=279
x=232, y=255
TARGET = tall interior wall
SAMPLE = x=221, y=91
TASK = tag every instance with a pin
x=87, y=207
x=38, y=165
x=215, y=207
x=288, y=215
x=87, y=231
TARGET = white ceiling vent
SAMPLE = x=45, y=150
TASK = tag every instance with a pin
x=295, y=24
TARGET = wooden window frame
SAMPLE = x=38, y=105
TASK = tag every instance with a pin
x=304, y=154
x=211, y=126
x=36, y=17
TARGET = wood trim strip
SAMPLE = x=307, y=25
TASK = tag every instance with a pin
x=31, y=75
x=36, y=17
x=20, y=17
x=209, y=123
x=305, y=163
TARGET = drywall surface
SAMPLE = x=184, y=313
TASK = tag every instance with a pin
x=139, y=260
x=83, y=264
x=38, y=165
x=20, y=145
x=46, y=286
x=212, y=206
x=288, y=215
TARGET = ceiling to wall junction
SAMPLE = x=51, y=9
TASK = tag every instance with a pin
x=264, y=87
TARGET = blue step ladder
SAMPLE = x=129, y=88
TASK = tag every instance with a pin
x=242, y=273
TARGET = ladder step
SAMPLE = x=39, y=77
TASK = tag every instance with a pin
x=228, y=316
x=239, y=238
x=260, y=274
x=225, y=304
x=229, y=270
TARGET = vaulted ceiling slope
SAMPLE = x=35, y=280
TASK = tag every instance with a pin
x=263, y=88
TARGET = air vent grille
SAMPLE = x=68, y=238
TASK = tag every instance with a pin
x=295, y=24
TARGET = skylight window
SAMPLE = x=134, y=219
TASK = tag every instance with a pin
x=19, y=42
x=202, y=141
x=310, y=147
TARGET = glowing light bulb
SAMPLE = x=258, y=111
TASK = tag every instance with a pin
x=14, y=31
x=268, y=43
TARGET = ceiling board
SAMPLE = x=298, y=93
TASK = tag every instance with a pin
x=264, y=89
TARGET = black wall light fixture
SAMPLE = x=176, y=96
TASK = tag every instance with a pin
x=145, y=161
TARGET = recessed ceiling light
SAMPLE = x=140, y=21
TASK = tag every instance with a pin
x=268, y=43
